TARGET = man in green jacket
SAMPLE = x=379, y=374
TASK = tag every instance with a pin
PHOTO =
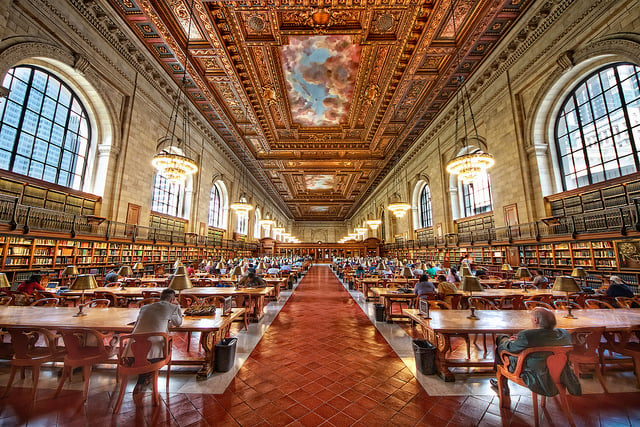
x=535, y=374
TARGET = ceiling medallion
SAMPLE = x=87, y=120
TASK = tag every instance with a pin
x=269, y=95
x=256, y=23
x=321, y=19
x=384, y=22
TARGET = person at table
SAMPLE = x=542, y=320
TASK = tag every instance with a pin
x=31, y=285
x=618, y=288
x=535, y=374
x=540, y=280
x=111, y=276
x=431, y=270
x=424, y=286
x=285, y=268
x=466, y=260
x=251, y=280
x=360, y=271
x=190, y=270
x=274, y=269
x=156, y=317
x=453, y=276
x=446, y=289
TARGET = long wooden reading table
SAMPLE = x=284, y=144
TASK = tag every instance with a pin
x=121, y=320
x=255, y=296
x=446, y=323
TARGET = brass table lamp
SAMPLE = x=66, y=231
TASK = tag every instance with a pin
x=180, y=270
x=83, y=282
x=4, y=282
x=125, y=271
x=465, y=271
x=522, y=273
x=579, y=272
x=566, y=284
x=471, y=284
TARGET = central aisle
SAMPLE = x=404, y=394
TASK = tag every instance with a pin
x=322, y=359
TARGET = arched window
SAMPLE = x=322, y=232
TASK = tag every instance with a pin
x=476, y=196
x=426, y=217
x=218, y=206
x=167, y=197
x=597, y=131
x=44, y=128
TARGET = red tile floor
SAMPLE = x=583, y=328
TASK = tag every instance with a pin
x=321, y=362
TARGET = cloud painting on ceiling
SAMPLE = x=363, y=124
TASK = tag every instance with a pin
x=319, y=208
x=319, y=182
x=320, y=72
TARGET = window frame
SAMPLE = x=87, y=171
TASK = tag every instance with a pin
x=469, y=198
x=167, y=197
x=425, y=212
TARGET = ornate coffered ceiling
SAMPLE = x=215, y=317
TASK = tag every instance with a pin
x=320, y=98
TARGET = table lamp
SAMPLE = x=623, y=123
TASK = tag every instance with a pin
x=221, y=266
x=180, y=270
x=4, y=282
x=566, y=284
x=381, y=268
x=180, y=282
x=125, y=271
x=471, y=284
x=466, y=271
x=237, y=271
x=177, y=264
x=521, y=273
x=82, y=282
x=579, y=272
x=261, y=267
x=138, y=266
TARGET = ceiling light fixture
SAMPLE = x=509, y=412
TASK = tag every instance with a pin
x=469, y=162
x=173, y=159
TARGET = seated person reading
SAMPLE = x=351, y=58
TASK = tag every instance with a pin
x=540, y=280
x=251, y=280
x=424, y=286
x=446, y=289
x=617, y=288
x=535, y=374
x=31, y=285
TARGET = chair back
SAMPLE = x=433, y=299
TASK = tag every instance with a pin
x=133, y=351
x=77, y=340
x=151, y=294
x=107, y=295
x=561, y=304
x=481, y=303
x=438, y=305
x=98, y=303
x=24, y=342
x=556, y=360
x=146, y=301
x=587, y=341
x=187, y=301
x=531, y=304
x=596, y=303
x=455, y=301
x=45, y=302
x=626, y=302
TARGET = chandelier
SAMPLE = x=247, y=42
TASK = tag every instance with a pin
x=373, y=223
x=399, y=208
x=173, y=159
x=241, y=207
x=361, y=230
x=267, y=223
x=470, y=162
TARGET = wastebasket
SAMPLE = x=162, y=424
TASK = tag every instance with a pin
x=225, y=354
x=351, y=287
x=425, y=354
x=379, y=312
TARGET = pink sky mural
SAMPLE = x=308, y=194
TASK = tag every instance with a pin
x=320, y=72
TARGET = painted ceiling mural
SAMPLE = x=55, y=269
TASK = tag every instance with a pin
x=319, y=100
x=320, y=72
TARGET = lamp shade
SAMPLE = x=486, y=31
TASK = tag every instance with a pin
x=4, y=282
x=262, y=266
x=83, y=282
x=465, y=271
x=220, y=266
x=70, y=270
x=209, y=263
x=470, y=284
x=125, y=271
x=177, y=264
x=566, y=284
x=406, y=272
x=506, y=267
x=523, y=272
x=138, y=266
x=180, y=270
x=381, y=266
x=579, y=272
x=237, y=271
x=180, y=282
x=423, y=266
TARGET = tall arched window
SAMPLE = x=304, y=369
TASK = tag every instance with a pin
x=426, y=217
x=44, y=128
x=218, y=205
x=476, y=196
x=257, y=228
x=167, y=197
x=597, y=131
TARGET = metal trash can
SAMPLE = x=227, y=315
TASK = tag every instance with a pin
x=225, y=354
x=380, y=314
x=425, y=354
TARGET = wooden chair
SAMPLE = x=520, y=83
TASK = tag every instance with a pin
x=28, y=354
x=455, y=301
x=5, y=300
x=44, y=294
x=98, y=303
x=146, y=301
x=116, y=301
x=561, y=304
x=438, y=305
x=187, y=301
x=45, y=302
x=626, y=302
x=621, y=343
x=531, y=304
x=85, y=348
x=150, y=294
x=585, y=352
x=555, y=363
x=132, y=360
x=511, y=302
x=596, y=303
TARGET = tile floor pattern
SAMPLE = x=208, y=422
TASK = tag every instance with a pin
x=320, y=363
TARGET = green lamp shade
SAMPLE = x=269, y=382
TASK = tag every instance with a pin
x=579, y=272
x=70, y=270
x=523, y=272
x=83, y=282
x=180, y=282
x=506, y=267
x=470, y=284
x=125, y=271
x=566, y=284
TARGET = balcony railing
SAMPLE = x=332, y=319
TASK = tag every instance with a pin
x=30, y=218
